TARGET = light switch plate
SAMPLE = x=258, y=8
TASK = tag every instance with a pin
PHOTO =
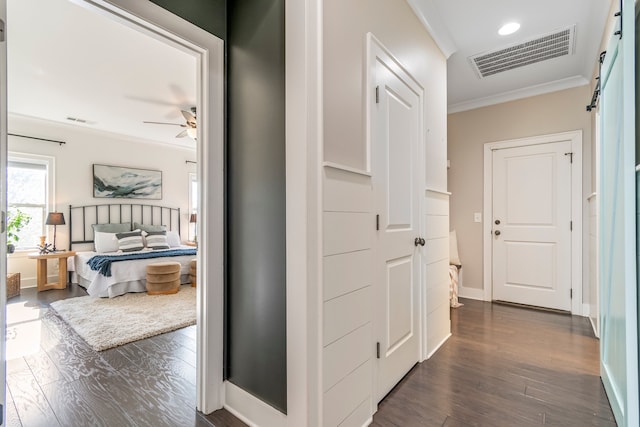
x=477, y=217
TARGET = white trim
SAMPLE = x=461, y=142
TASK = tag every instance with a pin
x=209, y=53
x=586, y=308
x=433, y=190
x=591, y=196
x=437, y=347
x=434, y=26
x=254, y=412
x=558, y=85
x=304, y=172
x=576, y=209
x=346, y=168
x=472, y=293
x=594, y=327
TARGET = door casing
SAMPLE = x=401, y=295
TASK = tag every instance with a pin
x=576, y=210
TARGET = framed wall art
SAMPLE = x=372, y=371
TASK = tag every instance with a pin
x=116, y=182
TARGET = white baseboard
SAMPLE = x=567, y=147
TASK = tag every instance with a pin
x=593, y=326
x=471, y=293
x=438, y=346
x=251, y=410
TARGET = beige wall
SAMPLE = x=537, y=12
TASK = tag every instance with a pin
x=468, y=131
x=348, y=361
x=346, y=23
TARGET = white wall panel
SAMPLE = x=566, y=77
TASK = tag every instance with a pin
x=361, y=416
x=341, y=400
x=344, y=273
x=346, y=192
x=346, y=354
x=437, y=226
x=347, y=232
x=436, y=250
x=347, y=313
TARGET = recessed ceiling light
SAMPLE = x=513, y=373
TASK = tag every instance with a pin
x=509, y=28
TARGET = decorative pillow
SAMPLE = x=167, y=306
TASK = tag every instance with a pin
x=130, y=241
x=157, y=240
x=105, y=242
x=173, y=239
x=111, y=228
x=149, y=227
x=454, y=258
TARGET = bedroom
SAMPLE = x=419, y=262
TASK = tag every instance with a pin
x=102, y=142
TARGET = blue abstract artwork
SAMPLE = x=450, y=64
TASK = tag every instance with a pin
x=117, y=182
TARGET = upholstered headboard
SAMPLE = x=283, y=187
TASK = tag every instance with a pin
x=81, y=218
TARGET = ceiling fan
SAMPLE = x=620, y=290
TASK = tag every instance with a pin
x=190, y=124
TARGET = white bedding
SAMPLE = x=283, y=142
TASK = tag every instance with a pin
x=126, y=276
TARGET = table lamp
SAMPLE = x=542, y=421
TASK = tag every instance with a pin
x=55, y=219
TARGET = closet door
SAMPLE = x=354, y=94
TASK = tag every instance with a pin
x=618, y=277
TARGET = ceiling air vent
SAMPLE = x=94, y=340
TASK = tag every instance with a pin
x=556, y=44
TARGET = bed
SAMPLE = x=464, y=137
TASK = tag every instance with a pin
x=111, y=258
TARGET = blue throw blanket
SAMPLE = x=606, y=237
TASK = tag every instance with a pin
x=102, y=263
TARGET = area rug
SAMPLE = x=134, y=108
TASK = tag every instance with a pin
x=109, y=322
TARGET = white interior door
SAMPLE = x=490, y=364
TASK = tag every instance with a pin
x=3, y=203
x=617, y=223
x=532, y=225
x=396, y=132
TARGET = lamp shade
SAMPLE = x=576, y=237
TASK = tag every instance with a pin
x=193, y=217
x=55, y=218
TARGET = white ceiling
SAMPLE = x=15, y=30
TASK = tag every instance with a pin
x=66, y=61
x=463, y=28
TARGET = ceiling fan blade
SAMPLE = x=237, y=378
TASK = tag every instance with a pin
x=189, y=117
x=182, y=134
x=165, y=123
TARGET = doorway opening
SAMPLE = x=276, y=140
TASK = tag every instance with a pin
x=207, y=50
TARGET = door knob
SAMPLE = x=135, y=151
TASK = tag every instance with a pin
x=497, y=232
x=497, y=222
x=419, y=241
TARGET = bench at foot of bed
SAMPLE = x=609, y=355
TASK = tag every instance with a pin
x=163, y=278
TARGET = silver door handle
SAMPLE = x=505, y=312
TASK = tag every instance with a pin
x=497, y=232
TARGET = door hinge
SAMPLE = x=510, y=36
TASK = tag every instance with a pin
x=619, y=32
x=1, y=30
x=378, y=222
x=377, y=350
x=571, y=293
x=377, y=94
x=570, y=225
x=570, y=156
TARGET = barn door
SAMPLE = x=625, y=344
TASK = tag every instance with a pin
x=617, y=222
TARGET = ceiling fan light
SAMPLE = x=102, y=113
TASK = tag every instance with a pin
x=509, y=28
x=192, y=132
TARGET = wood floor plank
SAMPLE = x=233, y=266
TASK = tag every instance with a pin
x=30, y=402
x=504, y=366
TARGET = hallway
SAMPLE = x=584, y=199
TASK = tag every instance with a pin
x=504, y=366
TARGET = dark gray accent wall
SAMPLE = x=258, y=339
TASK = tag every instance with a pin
x=210, y=15
x=256, y=282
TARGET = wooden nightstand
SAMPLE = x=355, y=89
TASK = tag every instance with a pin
x=41, y=270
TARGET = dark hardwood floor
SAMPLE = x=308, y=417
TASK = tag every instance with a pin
x=55, y=379
x=504, y=366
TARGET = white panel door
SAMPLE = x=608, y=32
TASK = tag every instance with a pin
x=532, y=225
x=617, y=226
x=395, y=124
x=3, y=202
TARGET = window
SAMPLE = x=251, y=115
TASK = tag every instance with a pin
x=29, y=190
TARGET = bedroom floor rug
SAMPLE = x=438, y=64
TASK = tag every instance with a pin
x=109, y=322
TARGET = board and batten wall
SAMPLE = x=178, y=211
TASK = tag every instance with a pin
x=348, y=357
x=468, y=131
x=73, y=164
